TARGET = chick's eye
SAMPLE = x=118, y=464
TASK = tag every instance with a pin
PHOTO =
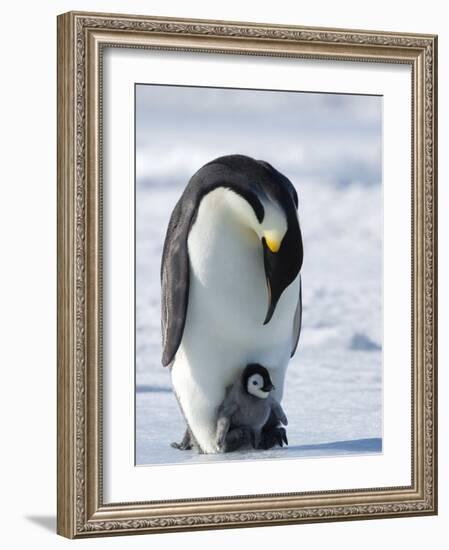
x=255, y=383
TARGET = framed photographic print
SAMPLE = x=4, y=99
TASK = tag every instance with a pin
x=246, y=274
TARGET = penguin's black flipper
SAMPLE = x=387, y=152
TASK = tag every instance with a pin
x=175, y=281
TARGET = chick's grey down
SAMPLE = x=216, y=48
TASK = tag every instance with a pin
x=242, y=415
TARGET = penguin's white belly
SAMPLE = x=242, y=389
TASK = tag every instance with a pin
x=224, y=330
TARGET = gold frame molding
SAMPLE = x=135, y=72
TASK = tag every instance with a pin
x=81, y=38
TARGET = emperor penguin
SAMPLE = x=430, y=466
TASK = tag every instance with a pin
x=231, y=288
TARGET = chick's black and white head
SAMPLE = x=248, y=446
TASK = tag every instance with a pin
x=256, y=381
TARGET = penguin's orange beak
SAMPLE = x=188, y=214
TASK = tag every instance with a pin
x=273, y=240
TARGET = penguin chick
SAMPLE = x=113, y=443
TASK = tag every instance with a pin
x=245, y=410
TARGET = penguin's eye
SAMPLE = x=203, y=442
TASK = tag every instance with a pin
x=254, y=382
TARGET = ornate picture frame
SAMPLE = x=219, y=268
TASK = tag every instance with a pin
x=82, y=39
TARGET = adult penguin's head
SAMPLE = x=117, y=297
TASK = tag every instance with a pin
x=265, y=202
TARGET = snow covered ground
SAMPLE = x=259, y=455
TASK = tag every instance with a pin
x=329, y=146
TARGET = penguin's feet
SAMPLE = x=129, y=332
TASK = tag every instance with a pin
x=272, y=436
x=186, y=444
x=221, y=442
x=238, y=438
x=181, y=446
